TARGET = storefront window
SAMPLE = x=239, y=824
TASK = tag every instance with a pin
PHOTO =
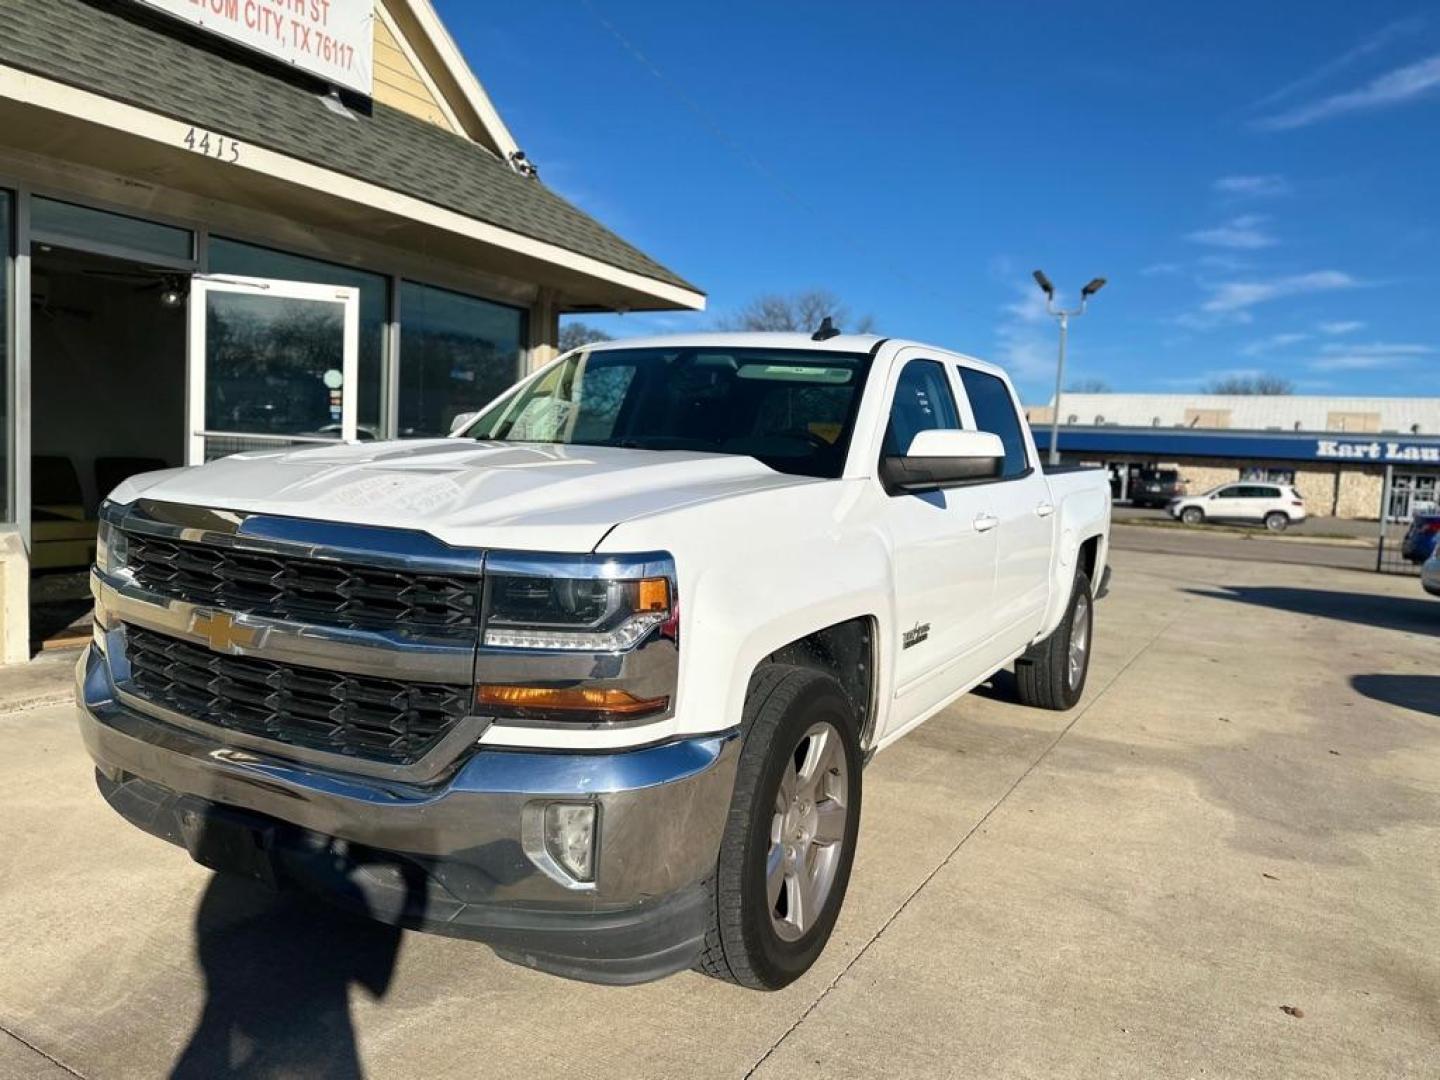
x=246, y=260
x=269, y=363
x=456, y=354
x=7, y=329
x=66, y=224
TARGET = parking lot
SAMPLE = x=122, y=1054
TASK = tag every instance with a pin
x=1224, y=863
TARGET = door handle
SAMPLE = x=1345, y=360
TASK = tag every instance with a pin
x=985, y=522
x=1044, y=510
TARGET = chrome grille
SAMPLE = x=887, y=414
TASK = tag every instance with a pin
x=382, y=720
x=304, y=590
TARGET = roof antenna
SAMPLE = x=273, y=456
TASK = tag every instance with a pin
x=826, y=332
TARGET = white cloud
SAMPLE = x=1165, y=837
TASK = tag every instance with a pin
x=1379, y=348
x=1347, y=326
x=1161, y=269
x=1270, y=184
x=1274, y=341
x=1025, y=341
x=1380, y=354
x=1242, y=233
x=1401, y=28
x=1236, y=296
x=1346, y=362
x=1198, y=380
x=1393, y=88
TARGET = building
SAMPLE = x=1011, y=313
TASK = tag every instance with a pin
x=228, y=224
x=1337, y=451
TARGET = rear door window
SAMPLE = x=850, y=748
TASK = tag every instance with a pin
x=995, y=412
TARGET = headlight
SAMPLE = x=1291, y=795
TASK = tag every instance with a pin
x=590, y=614
x=112, y=548
x=575, y=639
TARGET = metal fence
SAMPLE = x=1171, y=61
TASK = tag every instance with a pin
x=1403, y=497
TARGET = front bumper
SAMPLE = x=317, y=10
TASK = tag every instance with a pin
x=449, y=856
x=1430, y=576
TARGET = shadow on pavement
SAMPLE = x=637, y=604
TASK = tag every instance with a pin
x=1418, y=692
x=1417, y=615
x=278, y=966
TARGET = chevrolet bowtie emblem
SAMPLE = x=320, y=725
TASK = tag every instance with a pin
x=220, y=630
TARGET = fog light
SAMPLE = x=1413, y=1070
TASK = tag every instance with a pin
x=570, y=838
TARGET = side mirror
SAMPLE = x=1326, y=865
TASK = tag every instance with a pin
x=461, y=422
x=943, y=458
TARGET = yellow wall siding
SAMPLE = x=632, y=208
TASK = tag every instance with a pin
x=398, y=84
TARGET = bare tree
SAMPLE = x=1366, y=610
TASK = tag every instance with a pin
x=798, y=312
x=1088, y=386
x=1252, y=385
x=575, y=334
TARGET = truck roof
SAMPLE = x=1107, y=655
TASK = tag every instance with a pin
x=848, y=343
x=842, y=343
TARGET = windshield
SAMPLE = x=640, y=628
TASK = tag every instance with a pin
x=790, y=409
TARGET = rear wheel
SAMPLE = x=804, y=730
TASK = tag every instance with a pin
x=790, y=838
x=1051, y=674
x=1192, y=515
x=1276, y=521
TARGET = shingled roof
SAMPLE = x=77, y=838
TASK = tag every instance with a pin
x=125, y=53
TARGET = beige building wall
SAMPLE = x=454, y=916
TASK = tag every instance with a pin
x=1359, y=493
x=399, y=83
x=1347, y=491
x=1352, y=421
x=1317, y=487
x=1202, y=474
x=1207, y=418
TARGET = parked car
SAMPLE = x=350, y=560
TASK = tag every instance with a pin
x=594, y=680
x=1276, y=506
x=1430, y=573
x=1420, y=537
x=1156, y=487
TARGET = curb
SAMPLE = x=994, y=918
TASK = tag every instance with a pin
x=1249, y=534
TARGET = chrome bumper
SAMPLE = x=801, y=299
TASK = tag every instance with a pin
x=661, y=810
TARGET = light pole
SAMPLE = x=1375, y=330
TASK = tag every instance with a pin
x=1063, y=318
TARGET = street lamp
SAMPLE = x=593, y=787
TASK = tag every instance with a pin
x=1063, y=318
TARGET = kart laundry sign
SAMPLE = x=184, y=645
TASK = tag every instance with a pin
x=332, y=39
x=1376, y=450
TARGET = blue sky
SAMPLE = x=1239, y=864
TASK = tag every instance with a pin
x=1258, y=181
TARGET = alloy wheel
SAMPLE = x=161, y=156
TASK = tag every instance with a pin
x=1079, y=640
x=807, y=831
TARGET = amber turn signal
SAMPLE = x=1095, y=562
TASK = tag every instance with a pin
x=654, y=595
x=539, y=699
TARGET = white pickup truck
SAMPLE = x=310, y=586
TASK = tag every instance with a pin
x=595, y=679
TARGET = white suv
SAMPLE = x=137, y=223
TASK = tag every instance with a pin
x=1276, y=506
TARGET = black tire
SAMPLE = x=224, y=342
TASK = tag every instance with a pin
x=1042, y=675
x=1277, y=521
x=742, y=945
x=1192, y=515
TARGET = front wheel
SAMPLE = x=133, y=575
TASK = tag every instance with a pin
x=1192, y=515
x=790, y=838
x=1051, y=674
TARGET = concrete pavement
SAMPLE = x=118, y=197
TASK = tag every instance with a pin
x=1242, y=816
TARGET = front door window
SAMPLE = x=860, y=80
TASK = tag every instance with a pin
x=273, y=363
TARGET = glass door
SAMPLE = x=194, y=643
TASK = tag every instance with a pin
x=272, y=364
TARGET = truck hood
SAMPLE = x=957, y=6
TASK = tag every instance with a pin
x=470, y=494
